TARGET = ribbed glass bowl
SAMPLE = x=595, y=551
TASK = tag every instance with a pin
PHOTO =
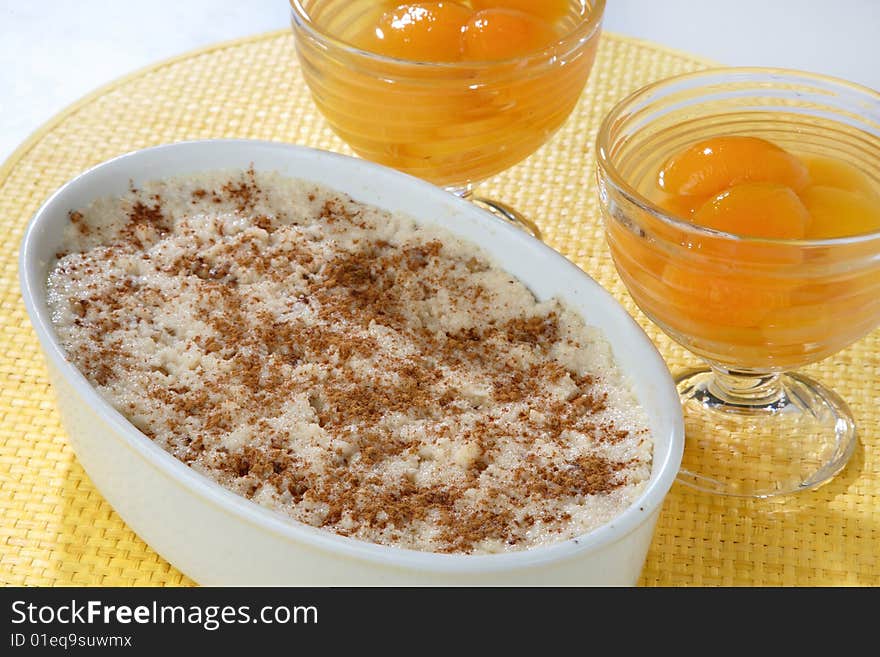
x=453, y=124
x=752, y=308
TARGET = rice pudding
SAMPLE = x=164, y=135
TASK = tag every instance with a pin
x=347, y=367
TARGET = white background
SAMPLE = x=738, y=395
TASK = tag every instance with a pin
x=54, y=51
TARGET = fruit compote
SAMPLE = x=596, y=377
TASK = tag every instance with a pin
x=467, y=30
x=751, y=287
x=751, y=187
x=453, y=92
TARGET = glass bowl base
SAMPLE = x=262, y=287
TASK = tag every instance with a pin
x=795, y=439
x=497, y=208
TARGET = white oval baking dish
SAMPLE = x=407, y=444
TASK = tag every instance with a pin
x=219, y=538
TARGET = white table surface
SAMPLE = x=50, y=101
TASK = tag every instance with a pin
x=53, y=51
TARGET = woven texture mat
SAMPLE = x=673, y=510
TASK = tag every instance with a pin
x=56, y=529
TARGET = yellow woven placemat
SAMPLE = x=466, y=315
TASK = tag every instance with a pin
x=56, y=529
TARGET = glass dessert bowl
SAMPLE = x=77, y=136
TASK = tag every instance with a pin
x=452, y=123
x=754, y=308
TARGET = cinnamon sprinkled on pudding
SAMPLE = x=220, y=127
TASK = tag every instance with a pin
x=347, y=367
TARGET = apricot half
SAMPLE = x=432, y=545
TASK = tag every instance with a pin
x=420, y=31
x=832, y=172
x=753, y=209
x=707, y=295
x=493, y=34
x=839, y=213
x=713, y=165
